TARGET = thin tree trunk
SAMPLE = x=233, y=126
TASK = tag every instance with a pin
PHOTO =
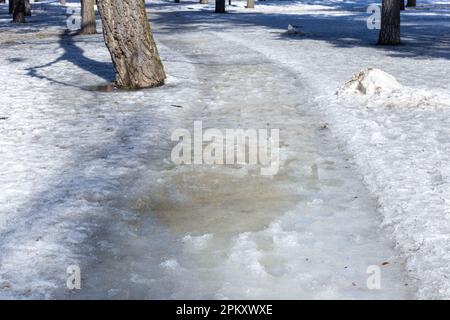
x=19, y=11
x=250, y=4
x=27, y=8
x=390, y=23
x=411, y=3
x=88, y=17
x=129, y=39
x=220, y=6
x=402, y=4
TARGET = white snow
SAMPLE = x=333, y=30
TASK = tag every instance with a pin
x=370, y=81
x=87, y=177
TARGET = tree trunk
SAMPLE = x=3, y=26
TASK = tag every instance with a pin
x=390, y=23
x=130, y=42
x=62, y=2
x=204, y=1
x=27, y=8
x=11, y=6
x=88, y=17
x=18, y=11
x=220, y=6
x=250, y=4
x=402, y=4
x=411, y=3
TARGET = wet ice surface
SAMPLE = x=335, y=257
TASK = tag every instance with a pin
x=141, y=227
x=225, y=232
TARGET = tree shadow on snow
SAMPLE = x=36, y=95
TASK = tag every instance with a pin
x=75, y=55
x=425, y=30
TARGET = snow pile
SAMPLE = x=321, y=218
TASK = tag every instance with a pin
x=370, y=81
x=294, y=30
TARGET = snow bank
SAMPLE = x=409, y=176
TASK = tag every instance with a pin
x=370, y=81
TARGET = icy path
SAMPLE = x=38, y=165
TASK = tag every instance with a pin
x=101, y=192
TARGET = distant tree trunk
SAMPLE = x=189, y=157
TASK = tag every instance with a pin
x=220, y=6
x=390, y=23
x=250, y=4
x=204, y=1
x=411, y=3
x=27, y=8
x=130, y=42
x=19, y=11
x=88, y=17
x=402, y=4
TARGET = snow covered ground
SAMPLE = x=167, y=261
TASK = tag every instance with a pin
x=87, y=177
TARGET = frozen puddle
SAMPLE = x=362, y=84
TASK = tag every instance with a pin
x=225, y=232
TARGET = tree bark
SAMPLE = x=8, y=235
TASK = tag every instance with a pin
x=402, y=4
x=18, y=11
x=130, y=42
x=390, y=23
x=27, y=8
x=220, y=6
x=250, y=4
x=88, y=17
x=411, y=3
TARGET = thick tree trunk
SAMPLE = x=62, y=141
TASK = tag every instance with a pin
x=402, y=4
x=130, y=41
x=18, y=11
x=250, y=4
x=411, y=3
x=88, y=17
x=220, y=6
x=390, y=23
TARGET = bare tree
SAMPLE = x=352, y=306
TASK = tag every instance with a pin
x=220, y=6
x=18, y=11
x=390, y=23
x=130, y=42
x=88, y=17
x=27, y=8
